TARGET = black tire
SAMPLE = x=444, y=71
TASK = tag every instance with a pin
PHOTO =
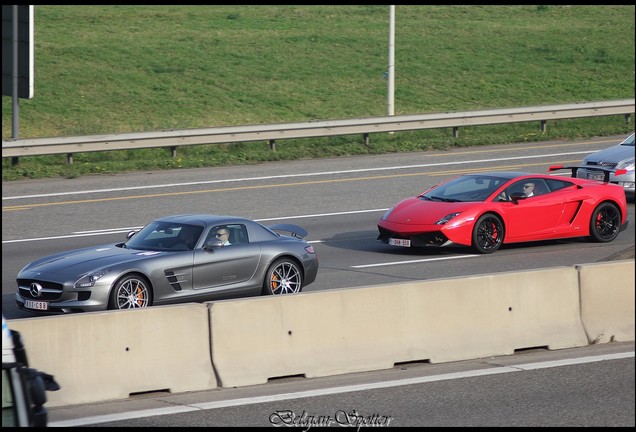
x=283, y=277
x=488, y=234
x=130, y=292
x=605, y=223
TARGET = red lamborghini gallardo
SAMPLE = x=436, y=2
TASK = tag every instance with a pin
x=485, y=210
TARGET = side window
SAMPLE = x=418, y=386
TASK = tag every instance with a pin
x=556, y=184
x=516, y=188
x=233, y=233
x=530, y=187
x=216, y=233
x=540, y=187
x=238, y=234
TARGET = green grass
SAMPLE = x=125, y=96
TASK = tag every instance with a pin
x=113, y=69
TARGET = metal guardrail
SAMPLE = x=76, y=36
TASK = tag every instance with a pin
x=273, y=132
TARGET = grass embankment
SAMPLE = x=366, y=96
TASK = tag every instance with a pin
x=112, y=69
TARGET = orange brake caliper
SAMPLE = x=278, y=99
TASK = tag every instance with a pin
x=139, y=296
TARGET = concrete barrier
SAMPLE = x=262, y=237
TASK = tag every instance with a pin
x=100, y=356
x=103, y=356
x=607, y=300
x=372, y=328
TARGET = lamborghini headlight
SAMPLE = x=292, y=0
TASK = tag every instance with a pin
x=447, y=218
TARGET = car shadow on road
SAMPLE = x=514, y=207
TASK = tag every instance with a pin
x=366, y=241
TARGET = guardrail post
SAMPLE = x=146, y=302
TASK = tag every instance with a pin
x=14, y=161
x=272, y=145
x=365, y=137
x=544, y=125
x=69, y=158
x=173, y=151
x=455, y=132
x=628, y=118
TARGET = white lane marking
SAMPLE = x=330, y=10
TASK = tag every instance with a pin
x=414, y=261
x=126, y=230
x=334, y=390
x=108, y=230
x=63, y=236
x=324, y=214
x=323, y=173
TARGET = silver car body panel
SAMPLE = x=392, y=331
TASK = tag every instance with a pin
x=620, y=156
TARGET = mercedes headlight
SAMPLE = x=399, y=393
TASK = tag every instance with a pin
x=627, y=164
x=90, y=279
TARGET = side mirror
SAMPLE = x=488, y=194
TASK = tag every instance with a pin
x=130, y=234
x=49, y=382
x=36, y=386
x=212, y=244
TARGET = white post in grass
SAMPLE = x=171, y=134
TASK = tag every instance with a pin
x=391, y=68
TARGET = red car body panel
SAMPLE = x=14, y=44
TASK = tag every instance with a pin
x=563, y=213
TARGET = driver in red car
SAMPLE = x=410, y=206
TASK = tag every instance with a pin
x=528, y=189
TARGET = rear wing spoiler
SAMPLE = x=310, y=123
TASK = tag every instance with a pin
x=294, y=230
x=606, y=171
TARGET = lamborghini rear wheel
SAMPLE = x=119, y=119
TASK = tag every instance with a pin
x=605, y=223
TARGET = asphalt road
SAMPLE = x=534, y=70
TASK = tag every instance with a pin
x=339, y=202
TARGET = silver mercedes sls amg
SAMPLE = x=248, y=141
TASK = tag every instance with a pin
x=173, y=259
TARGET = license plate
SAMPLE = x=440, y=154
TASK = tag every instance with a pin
x=400, y=242
x=596, y=176
x=38, y=305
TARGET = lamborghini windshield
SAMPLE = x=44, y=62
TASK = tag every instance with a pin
x=467, y=188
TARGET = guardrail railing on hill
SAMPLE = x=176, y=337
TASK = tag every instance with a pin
x=273, y=132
